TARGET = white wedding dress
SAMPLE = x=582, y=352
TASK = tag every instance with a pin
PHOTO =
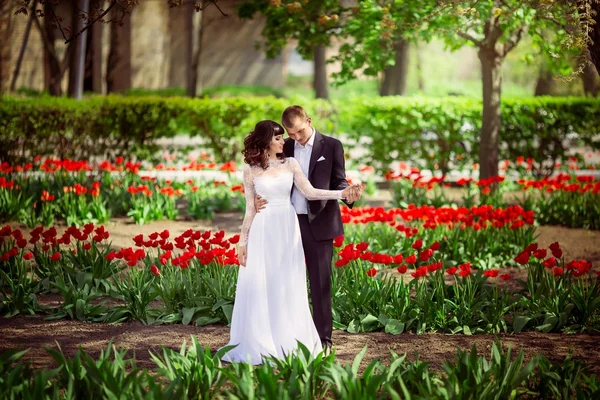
x=271, y=311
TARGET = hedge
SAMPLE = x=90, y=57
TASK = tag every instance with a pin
x=446, y=131
x=442, y=131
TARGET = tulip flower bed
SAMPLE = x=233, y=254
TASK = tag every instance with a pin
x=191, y=279
x=80, y=194
x=564, y=199
x=483, y=235
x=196, y=373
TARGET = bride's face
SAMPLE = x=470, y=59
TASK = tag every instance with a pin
x=276, y=145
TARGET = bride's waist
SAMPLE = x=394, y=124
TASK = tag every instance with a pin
x=279, y=202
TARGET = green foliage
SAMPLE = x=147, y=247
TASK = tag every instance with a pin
x=115, y=125
x=426, y=131
x=197, y=373
x=373, y=28
x=310, y=23
x=445, y=132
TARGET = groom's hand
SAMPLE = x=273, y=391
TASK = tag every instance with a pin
x=259, y=203
x=353, y=193
x=242, y=255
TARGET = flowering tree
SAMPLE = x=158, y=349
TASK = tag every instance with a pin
x=493, y=27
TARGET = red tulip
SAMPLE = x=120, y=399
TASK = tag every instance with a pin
x=55, y=257
x=417, y=244
x=540, y=254
x=491, y=273
x=550, y=262
x=522, y=258
x=338, y=241
x=402, y=269
x=341, y=262
x=371, y=272
x=154, y=269
x=362, y=246
x=426, y=255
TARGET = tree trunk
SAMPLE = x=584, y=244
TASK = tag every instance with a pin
x=181, y=42
x=52, y=71
x=591, y=82
x=6, y=30
x=594, y=34
x=320, y=73
x=195, y=73
x=118, y=68
x=189, y=51
x=97, y=58
x=79, y=55
x=394, y=77
x=545, y=83
x=491, y=73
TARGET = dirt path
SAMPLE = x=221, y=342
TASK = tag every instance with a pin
x=35, y=333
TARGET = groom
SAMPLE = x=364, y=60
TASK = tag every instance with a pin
x=322, y=161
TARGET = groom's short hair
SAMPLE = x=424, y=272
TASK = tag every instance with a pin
x=292, y=113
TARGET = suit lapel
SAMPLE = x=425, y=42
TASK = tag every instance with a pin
x=317, y=151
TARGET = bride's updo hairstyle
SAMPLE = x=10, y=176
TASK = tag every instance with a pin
x=257, y=143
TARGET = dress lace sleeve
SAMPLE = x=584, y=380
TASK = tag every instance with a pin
x=250, y=210
x=306, y=188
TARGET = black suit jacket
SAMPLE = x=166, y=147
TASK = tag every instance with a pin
x=329, y=174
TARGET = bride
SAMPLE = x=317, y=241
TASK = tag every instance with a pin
x=271, y=312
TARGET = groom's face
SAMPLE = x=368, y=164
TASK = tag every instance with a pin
x=301, y=130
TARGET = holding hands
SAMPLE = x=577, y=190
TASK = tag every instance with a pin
x=352, y=193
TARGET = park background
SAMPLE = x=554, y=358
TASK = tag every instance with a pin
x=474, y=126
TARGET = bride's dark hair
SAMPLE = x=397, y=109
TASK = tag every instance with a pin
x=257, y=143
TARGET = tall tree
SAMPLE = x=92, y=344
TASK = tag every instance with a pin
x=545, y=82
x=590, y=81
x=118, y=65
x=493, y=27
x=394, y=76
x=590, y=19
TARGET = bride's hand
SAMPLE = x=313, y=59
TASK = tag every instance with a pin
x=351, y=193
x=242, y=255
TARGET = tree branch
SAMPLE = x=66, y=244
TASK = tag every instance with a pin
x=513, y=41
x=465, y=35
x=218, y=8
x=89, y=24
x=58, y=22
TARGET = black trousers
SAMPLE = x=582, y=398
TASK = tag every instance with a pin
x=318, y=254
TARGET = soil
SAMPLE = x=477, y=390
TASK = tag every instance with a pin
x=36, y=334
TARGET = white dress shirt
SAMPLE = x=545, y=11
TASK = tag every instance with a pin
x=302, y=155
